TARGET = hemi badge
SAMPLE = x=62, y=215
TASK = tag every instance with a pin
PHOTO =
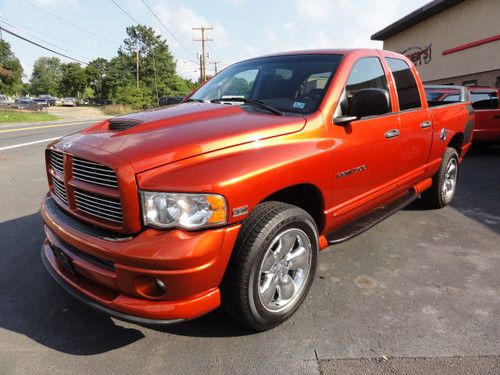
x=239, y=211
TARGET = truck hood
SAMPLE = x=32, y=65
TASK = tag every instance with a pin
x=166, y=135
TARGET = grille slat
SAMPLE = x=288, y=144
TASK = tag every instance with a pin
x=94, y=173
x=57, y=161
x=60, y=190
x=104, y=202
x=101, y=207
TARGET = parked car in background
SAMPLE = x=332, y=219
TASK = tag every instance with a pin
x=69, y=102
x=51, y=101
x=27, y=103
x=485, y=102
x=5, y=101
x=41, y=102
x=169, y=100
x=160, y=216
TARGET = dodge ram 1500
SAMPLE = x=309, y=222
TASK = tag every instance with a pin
x=227, y=198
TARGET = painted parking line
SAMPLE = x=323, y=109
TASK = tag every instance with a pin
x=44, y=126
x=29, y=143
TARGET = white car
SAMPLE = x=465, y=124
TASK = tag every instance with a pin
x=70, y=102
x=5, y=101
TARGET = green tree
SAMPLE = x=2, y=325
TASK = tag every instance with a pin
x=73, y=80
x=46, y=76
x=11, y=71
x=96, y=71
x=157, y=68
x=138, y=98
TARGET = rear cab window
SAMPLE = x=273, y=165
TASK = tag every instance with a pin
x=406, y=85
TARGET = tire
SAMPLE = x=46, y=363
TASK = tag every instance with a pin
x=257, y=288
x=444, y=182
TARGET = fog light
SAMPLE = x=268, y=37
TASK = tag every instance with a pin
x=150, y=287
x=161, y=285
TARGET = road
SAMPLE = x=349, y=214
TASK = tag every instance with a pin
x=418, y=293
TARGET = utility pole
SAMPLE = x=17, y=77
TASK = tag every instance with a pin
x=137, y=67
x=203, y=56
x=215, y=65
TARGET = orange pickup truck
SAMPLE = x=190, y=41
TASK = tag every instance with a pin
x=227, y=198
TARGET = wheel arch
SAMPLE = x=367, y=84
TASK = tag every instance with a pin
x=306, y=196
x=457, y=142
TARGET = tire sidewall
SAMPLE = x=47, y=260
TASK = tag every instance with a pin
x=452, y=154
x=298, y=220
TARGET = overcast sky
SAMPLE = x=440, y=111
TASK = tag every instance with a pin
x=242, y=28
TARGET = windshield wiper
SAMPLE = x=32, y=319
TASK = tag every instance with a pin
x=193, y=100
x=258, y=103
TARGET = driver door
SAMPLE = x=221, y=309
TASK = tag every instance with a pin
x=366, y=151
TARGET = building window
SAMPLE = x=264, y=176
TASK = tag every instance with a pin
x=497, y=84
x=406, y=86
x=471, y=82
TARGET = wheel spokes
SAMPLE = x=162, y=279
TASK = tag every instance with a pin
x=298, y=258
x=286, y=243
x=268, y=288
x=286, y=288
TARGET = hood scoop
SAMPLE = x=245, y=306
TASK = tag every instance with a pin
x=120, y=124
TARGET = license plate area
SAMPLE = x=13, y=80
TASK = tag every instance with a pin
x=63, y=259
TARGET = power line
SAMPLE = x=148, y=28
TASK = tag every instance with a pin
x=71, y=23
x=39, y=45
x=42, y=40
x=166, y=28
x=124, y=11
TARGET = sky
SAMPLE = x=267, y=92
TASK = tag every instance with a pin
x=242, y=28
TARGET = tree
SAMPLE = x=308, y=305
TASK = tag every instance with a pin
x=157, y=68
x=11, y=71
x=96, y=71
x=46, y=76
x=73, y=80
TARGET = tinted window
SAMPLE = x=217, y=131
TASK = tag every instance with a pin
x=406, y=86
x=484, y=100
x=366, y=73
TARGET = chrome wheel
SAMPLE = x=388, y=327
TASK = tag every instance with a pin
x=450, y=180
x=284, y=270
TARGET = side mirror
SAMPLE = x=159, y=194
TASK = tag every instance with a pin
x=369, y=102
x=365, y=102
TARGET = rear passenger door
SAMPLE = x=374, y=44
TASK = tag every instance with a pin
x=415, y=124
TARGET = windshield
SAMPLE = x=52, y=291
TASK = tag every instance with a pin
x=293, y=83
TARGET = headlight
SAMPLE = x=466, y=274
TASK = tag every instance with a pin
x=188, y=211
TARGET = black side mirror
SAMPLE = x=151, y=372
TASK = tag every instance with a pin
x=369, y=102
x=365, y=102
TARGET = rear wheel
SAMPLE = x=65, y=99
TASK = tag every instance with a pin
x=444, y=183
x=272, y=266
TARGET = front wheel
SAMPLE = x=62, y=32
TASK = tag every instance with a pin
x=444, y=183
x=272, y=266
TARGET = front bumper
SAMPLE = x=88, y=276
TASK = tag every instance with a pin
x=114, y=275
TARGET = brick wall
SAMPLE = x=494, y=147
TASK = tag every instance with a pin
x=489, y=79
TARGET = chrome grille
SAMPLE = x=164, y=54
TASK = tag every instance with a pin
x=59, y=190
x=94, y=173
x=98, y=206
x=57, y=161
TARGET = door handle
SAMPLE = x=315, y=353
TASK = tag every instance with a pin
x=496, y=117
x=392, y=133
x=426, y=124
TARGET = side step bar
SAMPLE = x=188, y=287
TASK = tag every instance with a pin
x=369, y=220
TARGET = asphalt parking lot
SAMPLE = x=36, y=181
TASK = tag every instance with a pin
x=418, y=293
